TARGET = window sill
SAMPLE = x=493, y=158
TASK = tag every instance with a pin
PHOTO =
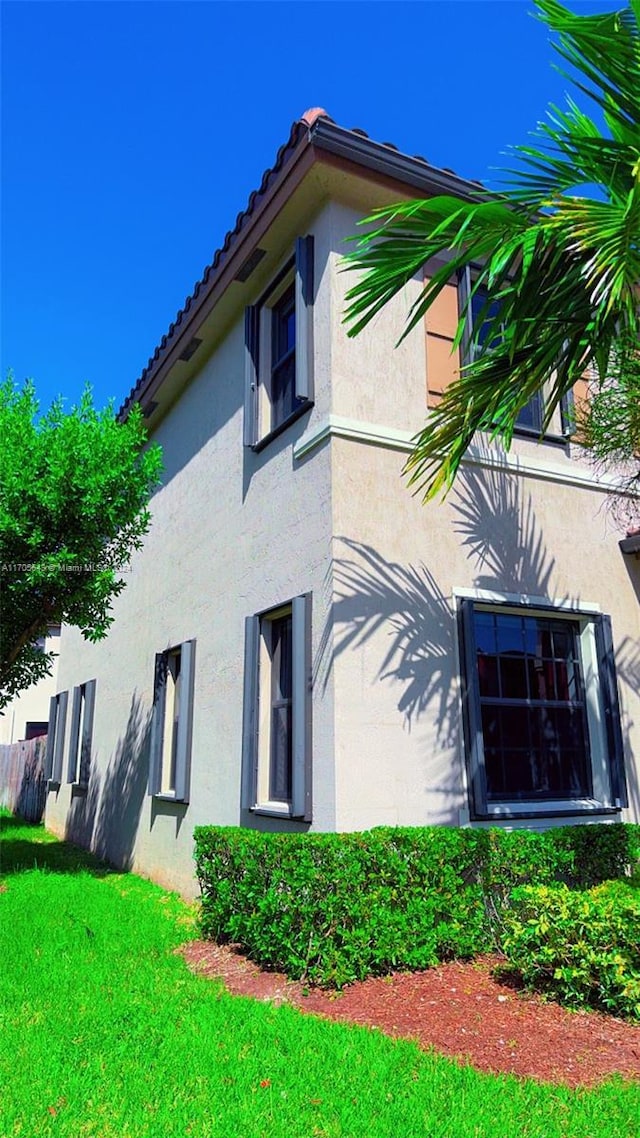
x=275, y=810
x=526, y=810
x=292, y=418
x=78, y=788
x=53, y=784
x=170, y=798
x=534, y=434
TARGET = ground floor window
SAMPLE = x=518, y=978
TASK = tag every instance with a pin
x=542, y=719
x=277, y=711
x=55, y=738
x=171, y=722
x=81, y=733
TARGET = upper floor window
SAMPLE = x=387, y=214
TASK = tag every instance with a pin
x=279, y=350
x=530, y=417
x=283, y=358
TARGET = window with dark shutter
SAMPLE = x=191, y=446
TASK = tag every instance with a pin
x=81, y=733
x=172, y=723
x=479, y=315
x=279, y=350
x=542, y=723
x=277, y=711
x=55, y=738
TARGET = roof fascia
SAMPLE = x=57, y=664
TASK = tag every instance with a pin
x=323, y=137
x=257, y=220
x=389, y=162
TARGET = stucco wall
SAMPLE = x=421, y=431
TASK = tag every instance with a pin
x=233, y=533
x=399, y=755
x=398, y=564
x=324, y=508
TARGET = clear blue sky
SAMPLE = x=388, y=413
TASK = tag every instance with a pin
x=133, y=133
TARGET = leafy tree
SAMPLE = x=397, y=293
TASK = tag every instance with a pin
x=74, y=488
x=559, y=266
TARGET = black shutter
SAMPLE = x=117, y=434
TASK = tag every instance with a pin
x=251, y=394
x=304, y=317
x=472, y=716
x=609, y=689
x=301, y=708
x=86, y=738
x=58, y=749
x=51, y=737
x=250, y=712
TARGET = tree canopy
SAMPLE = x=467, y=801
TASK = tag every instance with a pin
x=74, y=491
x=556, y=258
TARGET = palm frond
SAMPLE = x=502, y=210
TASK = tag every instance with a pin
x=560, y=268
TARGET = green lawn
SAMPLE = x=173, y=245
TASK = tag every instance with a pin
x=104, y=1033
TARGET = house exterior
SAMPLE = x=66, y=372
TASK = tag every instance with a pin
x=302, y=645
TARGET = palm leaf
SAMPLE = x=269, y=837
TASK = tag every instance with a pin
x=562, y=266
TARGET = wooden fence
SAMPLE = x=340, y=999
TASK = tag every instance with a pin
x=23, y=785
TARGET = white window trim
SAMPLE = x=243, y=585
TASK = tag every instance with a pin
x=81, y=734
x=159, y=752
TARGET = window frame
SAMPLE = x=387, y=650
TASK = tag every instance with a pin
x=604, y=744
x=55, y=739
x=298, y=273
x=81, y=734
x=467, y=355
x=257, y=745
x=179, y=752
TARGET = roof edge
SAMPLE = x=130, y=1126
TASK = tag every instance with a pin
x=385, y=158
x=315, y=128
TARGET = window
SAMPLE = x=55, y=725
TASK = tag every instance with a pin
x=171, y=723
x=277, y=711
x=55, y=739
x=279, y=350
x=80, y=733
x=541, y=711
x=34, y=729
x=530, y=417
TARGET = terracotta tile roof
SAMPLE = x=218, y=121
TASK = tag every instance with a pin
x=306, y=126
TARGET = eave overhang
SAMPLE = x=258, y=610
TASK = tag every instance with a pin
x=314, y=139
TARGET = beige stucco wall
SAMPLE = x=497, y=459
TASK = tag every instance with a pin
x=233, y=533
x=398, y=564
x=399, y=756
x=325, y=509
x=32, y=705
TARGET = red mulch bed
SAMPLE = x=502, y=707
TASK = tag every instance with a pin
x=460, y=1010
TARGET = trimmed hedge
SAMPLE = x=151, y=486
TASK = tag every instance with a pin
x=583, y=948
x=334, y=908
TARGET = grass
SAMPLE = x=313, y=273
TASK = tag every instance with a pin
x=104, y=1033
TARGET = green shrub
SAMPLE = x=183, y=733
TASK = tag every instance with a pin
x=597, y=853
x=581, y=947
x=334, y=908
